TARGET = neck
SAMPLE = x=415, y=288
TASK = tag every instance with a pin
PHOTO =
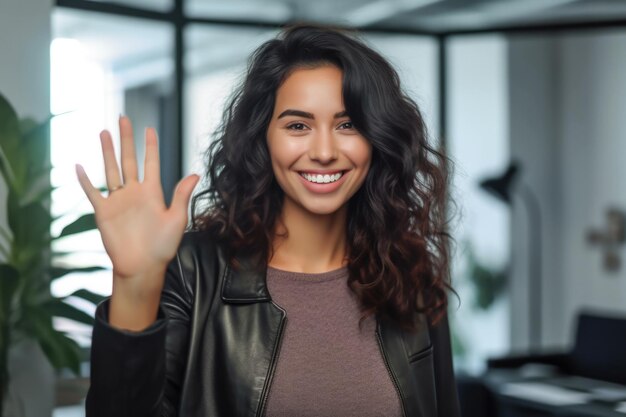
x=315, y=243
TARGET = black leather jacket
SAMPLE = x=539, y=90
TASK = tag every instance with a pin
x=214, y=346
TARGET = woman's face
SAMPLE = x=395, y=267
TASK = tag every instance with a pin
x=318, y=158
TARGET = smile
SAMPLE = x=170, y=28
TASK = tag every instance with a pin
x=321, y=179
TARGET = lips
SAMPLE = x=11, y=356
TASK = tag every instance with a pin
x=322, y=188
x=334, y=175
x=322, y=172
x=322, y=179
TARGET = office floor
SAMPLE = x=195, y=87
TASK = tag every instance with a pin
x=70, y=395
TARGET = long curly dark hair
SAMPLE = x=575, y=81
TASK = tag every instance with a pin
x=398, y=254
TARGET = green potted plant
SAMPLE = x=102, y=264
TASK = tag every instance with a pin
x=486, y=283
x=27, y=264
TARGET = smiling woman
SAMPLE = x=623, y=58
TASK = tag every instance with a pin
x=309, y=145
x=314, y=283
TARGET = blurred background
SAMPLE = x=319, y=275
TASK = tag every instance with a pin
x=528, y=98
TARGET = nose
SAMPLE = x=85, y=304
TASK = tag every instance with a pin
x=322, y=147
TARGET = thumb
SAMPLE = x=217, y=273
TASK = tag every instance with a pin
x=182, y=193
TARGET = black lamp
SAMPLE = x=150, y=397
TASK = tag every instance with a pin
x=503, y=187
x=500, y=187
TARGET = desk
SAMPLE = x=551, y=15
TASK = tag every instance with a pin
x=558, y=395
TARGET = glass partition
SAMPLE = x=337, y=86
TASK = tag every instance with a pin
x=101, y=66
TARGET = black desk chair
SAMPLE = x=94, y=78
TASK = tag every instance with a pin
x=599, y=352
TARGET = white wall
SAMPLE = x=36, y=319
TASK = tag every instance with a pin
x=25, y=45
x=25, y=81
x=535, y=141
x=479, y=145
x=567, y=100
x=25, y=62
x=593, y=135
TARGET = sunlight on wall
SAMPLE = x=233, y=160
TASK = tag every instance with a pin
x=84, y=98
x=206, y=95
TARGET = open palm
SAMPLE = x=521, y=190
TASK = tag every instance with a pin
x=139, y=232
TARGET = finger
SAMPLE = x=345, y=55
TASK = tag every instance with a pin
x=182, y=193
x=93, y=194
x=129, y=161
x=111, y=170
x=152, y=170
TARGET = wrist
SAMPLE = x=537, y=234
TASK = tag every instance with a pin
x=135, y=300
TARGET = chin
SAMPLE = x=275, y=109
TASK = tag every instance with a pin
x=322, y=212
x=322, y=209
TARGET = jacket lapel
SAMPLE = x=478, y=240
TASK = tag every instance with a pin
x=409, y=356
x=249, y=328
x=245, y=284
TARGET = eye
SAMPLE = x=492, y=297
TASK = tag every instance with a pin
x=348, y=124
x=296, y=126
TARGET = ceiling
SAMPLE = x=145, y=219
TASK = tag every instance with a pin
x=138, y=47
x=478, y=15
x=434, y=16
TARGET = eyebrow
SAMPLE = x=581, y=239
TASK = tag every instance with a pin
x=307, y=115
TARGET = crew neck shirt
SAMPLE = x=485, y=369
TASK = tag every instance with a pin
x=326, y=366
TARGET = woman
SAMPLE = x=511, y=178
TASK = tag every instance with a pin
x=312, y=283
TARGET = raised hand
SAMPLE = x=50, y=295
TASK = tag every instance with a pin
x=140, y=234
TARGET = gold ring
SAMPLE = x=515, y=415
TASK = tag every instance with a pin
x=116, y=188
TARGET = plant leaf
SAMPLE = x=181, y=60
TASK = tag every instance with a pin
x=7, y=237
x=39, y=190
x=29, y=257
x=13, y=211
x=35, y=144
x=57, y=308
x=82, y=224
x=58, y=272
x=9, y=281
x=61, y=351
x=5, y=169
x=27, y=125
x=9, y=132
x=88, y=295
x=30, y=224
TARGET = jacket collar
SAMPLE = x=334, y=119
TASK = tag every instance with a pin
x=246, y=284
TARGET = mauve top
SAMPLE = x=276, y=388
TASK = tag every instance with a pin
x=326, y=365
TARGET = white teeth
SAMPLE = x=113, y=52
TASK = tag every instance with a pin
x=322, y=179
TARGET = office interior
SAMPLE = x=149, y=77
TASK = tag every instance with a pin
x=527, y=97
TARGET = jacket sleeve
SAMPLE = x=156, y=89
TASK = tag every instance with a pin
x=140, y=373
x=445, y=383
